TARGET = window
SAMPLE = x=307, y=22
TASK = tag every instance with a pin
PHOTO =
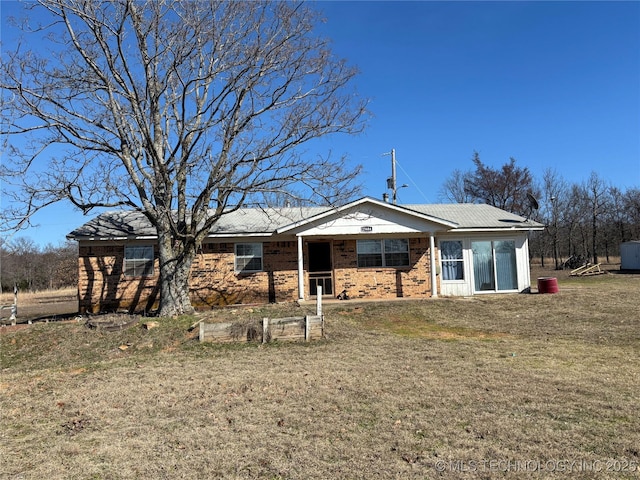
x=392, y=252
x=138, y=261
x=452, y=260
x=248, y=257
x=396, y=252
x=369, y=253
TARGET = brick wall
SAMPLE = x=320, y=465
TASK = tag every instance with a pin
x=381, y=283
x=214, y=281
x=102, y=285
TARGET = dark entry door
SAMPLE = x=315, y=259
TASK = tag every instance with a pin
x=320, y=268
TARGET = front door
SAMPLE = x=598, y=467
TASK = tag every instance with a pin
x=320, y=268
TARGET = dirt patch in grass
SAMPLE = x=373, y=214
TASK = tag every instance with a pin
x=417, y=322
x=522, y=385
x=49, y=305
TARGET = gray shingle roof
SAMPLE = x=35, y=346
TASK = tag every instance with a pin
x=131, y=224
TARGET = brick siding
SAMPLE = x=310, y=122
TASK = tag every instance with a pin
x=102, y=285
x=382, y=283
x=214, y=281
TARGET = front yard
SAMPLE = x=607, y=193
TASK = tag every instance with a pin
x=482, y=387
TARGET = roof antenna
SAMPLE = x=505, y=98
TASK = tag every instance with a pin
x=533, y=204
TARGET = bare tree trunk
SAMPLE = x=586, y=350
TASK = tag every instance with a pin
x=175, y=268
x=594, y=235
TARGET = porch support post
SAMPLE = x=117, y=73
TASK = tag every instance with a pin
x=300, y=270
x=434, y=279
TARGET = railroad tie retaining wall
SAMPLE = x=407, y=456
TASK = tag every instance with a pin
x=310, y=327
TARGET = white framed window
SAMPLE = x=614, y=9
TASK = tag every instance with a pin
x=248, y=257
x=138, y=260
x=390, y=252
x=452, y=260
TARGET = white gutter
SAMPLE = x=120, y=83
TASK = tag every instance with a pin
x=240, y=235
x=493, y=230
x=107, y=239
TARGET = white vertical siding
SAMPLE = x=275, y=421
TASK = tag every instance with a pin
x=466, y=287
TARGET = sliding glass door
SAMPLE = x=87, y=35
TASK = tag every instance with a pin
x=494, y=265
x=506, y=267
x=483, y=266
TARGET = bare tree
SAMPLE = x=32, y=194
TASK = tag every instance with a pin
x=618, y=221
x=554, y=199
x=631, y=205
x=182, y=110
x=504, y=188
x=597, y=198
x=453, y=189
x=29, y=267
x=60, y=264
x=20, y=264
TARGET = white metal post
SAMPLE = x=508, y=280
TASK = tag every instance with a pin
x=300, y=270
x=319, y=301
x=434, y=279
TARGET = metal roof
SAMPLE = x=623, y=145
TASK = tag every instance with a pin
x=476, y=216
x=267, y=221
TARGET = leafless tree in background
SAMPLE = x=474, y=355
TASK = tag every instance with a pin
x=631, y=206
x=505, y=188
x=596, y=194
x=182, y=110
x=583, y=220
x=553, y=205
x=30, y=267
x=454, y=190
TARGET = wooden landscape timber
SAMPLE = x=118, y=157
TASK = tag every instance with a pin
x=113, y=323
x=309, y=327
x=587, y=269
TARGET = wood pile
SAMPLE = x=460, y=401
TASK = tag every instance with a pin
x=587, y=269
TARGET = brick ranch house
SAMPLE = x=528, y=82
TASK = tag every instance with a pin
x=369, y=248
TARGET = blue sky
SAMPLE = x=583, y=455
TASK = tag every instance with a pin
x=552, y=84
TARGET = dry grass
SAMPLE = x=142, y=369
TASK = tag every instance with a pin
x=35, y=298
x=398, y=390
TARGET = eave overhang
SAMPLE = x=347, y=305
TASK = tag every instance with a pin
x=313, y=221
